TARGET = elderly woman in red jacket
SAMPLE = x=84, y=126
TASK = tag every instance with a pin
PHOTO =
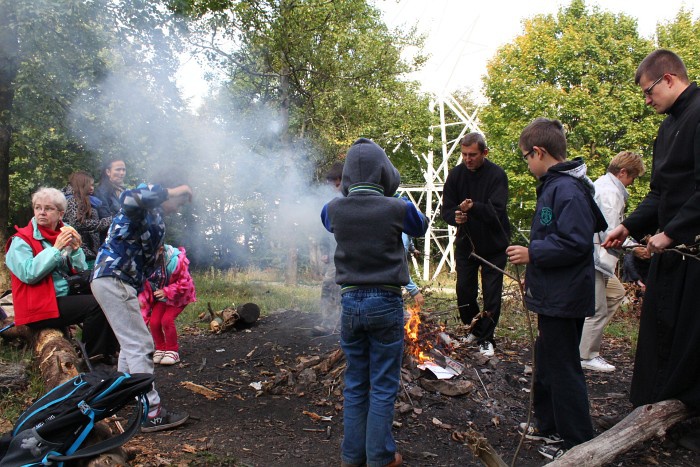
x=39, y=257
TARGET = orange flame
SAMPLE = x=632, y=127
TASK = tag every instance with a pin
x=412, y=328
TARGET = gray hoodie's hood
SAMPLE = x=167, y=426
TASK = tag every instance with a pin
x=368, y=167
x=576, y=168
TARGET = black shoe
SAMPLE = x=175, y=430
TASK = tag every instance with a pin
x=535, y=435
x=164, y=420
x=551, y=451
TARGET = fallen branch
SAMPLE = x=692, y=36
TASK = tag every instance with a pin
x=203, y=390
x=641, y=424
x=480, y=447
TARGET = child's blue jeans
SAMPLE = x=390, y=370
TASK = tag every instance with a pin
x=372, y=338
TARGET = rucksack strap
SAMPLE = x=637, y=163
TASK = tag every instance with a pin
x=107, y=444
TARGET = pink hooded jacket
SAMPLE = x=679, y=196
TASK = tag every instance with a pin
x=179, y=291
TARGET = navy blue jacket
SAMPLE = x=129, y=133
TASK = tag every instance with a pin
x=560, y=277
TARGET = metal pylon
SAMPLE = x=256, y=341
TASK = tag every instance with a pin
x=428, y=197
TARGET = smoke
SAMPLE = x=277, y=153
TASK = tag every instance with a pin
x=254, y=198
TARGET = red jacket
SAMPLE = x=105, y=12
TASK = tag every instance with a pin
x=32, y=302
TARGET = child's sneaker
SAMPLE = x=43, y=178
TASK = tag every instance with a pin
x=534, y=434
x=170, y=358
x=551, y=452
x=163, y=420
x=158, y=356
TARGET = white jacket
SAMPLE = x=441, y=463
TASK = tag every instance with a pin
x=611, y=197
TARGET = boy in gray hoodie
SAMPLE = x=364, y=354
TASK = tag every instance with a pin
x=371, y=267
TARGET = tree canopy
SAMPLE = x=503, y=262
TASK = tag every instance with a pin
x=576, y=66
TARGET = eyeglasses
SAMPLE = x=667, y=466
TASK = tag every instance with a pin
x=45, y=208
x=528, y=154
x=647, y=91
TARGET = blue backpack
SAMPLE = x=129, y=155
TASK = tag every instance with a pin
x=52, y=430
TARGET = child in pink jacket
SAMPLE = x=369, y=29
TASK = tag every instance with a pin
x=165, y=294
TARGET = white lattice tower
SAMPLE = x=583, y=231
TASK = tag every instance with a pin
x=428, y=197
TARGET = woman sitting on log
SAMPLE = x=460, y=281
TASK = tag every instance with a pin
x=39, y=257
x=82, y=213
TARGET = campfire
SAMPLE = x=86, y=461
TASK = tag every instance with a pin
x=423, y=343
x=416, y=344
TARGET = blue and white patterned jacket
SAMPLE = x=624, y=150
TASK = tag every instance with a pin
x=129, y=251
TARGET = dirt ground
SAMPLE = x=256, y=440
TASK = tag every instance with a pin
x=246, y=427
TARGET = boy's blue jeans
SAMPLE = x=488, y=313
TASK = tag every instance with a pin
x=371, y=337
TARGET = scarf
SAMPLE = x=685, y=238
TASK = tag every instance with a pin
x=50, y=234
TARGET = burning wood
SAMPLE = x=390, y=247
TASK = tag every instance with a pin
x=422, y=342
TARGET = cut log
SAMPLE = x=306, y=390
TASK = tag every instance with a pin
x=641, y=424
x=16, y=332
x=57, y=360
x=13, y=376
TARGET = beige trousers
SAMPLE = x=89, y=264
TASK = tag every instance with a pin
x=609, y=293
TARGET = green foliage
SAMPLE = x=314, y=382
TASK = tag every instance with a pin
x=65, y=114
x=576, y=66
x=683, y=37
x=330, y=70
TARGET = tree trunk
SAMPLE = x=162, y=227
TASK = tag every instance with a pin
x=9, y=65
x=641, y=424
x=57, y=360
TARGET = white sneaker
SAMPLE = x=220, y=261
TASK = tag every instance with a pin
x=158, y=356
x=470, y=339
x=597, y=364
x=486, y=349
x=170, y=358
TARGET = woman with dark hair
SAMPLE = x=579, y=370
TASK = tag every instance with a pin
x=111, y=186
x=82, y=213
x=39, y=256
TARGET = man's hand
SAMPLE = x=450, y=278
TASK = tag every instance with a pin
x=466, y=205
x=460, y=217
x=616, y=237
x=518, y=254
x=658, y=243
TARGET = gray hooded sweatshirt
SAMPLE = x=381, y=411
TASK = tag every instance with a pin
x=367, y=222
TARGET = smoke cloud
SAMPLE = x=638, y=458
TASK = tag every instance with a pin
x=253, y=197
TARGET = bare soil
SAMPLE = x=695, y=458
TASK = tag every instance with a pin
x=246, y=427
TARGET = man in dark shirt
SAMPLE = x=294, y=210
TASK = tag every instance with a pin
x=667, y=362
x=474, y=200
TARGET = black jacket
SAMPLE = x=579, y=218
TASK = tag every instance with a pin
x=673, y=202
x=487, y=221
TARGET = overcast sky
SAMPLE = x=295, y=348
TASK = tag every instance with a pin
x=462, y=35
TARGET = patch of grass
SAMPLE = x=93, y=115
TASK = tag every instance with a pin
x=15, y=402
x=233, y=288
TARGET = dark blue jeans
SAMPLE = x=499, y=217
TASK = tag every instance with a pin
x=372, y=338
